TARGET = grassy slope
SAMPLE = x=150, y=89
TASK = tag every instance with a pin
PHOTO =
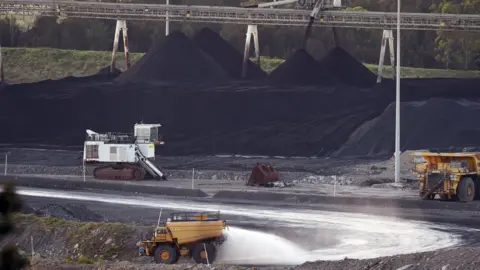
x=76, y=241
x=35, y=64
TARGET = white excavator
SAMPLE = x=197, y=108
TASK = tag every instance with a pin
x=128, y=156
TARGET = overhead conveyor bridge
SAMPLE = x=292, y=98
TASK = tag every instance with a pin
x=239, y=15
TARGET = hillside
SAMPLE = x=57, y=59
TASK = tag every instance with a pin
x=36, y=64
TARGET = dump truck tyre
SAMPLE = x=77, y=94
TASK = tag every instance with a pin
x=466, y=190
x=165, y=254
x=199, y=254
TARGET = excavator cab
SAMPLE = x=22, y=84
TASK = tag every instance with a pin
x=453, y=176
x=148, y=133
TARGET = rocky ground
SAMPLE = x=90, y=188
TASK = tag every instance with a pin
x=66, y=241
x=458, y=258
x=360, y=171
x=63, y=244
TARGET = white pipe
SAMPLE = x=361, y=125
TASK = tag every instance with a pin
x=193, y=178
x=83, y=167
x=334, y=185
x=276, y=3
x=397, y=103
x=6, y=163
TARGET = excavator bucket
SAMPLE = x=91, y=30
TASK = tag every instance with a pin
x=263, y=175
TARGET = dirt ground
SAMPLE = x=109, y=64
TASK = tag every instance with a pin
x=458, y=258
x=362, y=171
x=64, y=244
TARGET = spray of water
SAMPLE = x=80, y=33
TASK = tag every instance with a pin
x=327, y=235
x=254, y=247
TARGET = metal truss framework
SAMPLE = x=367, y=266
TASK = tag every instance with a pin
x=238, y=15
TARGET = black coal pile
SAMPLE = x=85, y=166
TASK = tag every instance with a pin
x=348, y=69
x=197, y=121
x=175, y=59
x=69, y=212
x=226, y=55
x=435, y=123
x=301, y=69
x=107, y=72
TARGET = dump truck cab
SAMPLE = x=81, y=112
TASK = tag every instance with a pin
x=453, y=176
x=187, y=235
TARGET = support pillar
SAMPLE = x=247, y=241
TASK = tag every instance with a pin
x=125, y=43
x=167, y=21
x=121, y=26
x=251, y=30
x=386, y=36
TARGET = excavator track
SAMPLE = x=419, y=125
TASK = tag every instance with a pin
x=119, y=172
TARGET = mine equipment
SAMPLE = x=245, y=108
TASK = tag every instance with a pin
x=263, y=175
x=128, y=156
x=453, y=176
x=299, y=4
x=189, y=235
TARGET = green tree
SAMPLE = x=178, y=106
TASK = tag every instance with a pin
x=456, y=49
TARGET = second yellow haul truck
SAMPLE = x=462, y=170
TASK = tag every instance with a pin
x=451, y=176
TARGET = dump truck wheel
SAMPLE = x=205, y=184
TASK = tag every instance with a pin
x=165, y=254
x=200, y=256
x=466, y=190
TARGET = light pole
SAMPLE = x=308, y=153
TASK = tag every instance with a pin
x=397, y=102
x=6, y=163
x=167, y=21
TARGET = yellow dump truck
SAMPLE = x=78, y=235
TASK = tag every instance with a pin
x=186, y=235
x=453, y=176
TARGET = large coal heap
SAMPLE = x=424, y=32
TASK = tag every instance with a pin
x=301, y=69
x=226, y=55
x=243, y=117
x=196, y=121
x=176, y=59
x=435, y=123
x=227, y=118
x=348, y=69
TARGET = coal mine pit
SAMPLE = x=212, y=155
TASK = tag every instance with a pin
x=304, y=108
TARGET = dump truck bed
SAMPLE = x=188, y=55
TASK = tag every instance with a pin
x=434, y=154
